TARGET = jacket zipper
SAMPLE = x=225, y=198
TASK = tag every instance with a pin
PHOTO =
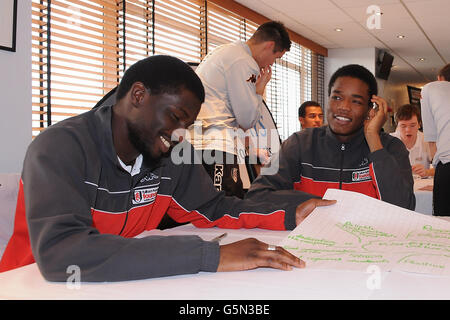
x=128, y=206
x=341, y=166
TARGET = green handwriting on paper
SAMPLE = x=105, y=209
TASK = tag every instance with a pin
x=362, y=231
x=428, y=231
x=414, y=259
x=423, y=248
x=310, y=240
x=324, y=259
x=342, y=255
x=335, y=251
x=409, y=245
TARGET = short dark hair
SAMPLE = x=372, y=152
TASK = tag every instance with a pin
x=445, y=72
x=359, y=72
x=304, y=105
x=273, y=31
x=406, y=112
x=162, y=74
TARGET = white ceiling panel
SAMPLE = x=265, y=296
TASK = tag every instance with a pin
x=423, y=22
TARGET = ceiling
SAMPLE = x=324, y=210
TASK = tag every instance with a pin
x=424, y=23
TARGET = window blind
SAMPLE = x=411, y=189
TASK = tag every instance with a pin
x=178, y=29
x=74, y=53
x=81, y=48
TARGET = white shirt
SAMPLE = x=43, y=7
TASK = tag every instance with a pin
x=435, y=105
x=228, y=74
x=419, y=153
x=135, y=168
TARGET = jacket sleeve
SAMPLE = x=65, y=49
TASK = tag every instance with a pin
x=62, y=235
x=286, y=168
x=196, y=200
x=391, y=172
x=429, y=125
x=244, y=100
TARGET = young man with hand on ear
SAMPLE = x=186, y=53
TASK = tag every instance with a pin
x=350, y=153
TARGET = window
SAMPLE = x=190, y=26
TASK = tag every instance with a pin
x=74, y=57
x=81, y=48
x=289, y=87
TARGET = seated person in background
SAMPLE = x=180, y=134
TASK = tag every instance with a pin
x=408, y=123
x=91, y=183
x=310, y=115
x=350, y=153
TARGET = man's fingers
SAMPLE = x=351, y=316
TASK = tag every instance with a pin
x=314, y=203
x=304, y=209
x=324, y=202
x=251, y=253
x=279, y=259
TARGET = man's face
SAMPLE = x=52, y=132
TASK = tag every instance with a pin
x=408, y=130
x=348, y=107
x=269, y=55
x=313, y=117
x=151, y=129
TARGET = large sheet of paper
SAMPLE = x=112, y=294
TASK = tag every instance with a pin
x=360, y=232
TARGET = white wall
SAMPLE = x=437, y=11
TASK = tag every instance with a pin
x=15, y=93
x=341, y=57
x=362, y=56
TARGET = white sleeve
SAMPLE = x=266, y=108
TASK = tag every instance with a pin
x=429, y=126
x=245, y=102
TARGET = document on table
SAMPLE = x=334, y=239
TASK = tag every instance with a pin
x=359, y=231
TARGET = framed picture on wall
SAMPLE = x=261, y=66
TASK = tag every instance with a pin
x=8, y=24
x=414, y=95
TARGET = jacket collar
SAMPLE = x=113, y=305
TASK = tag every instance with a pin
x=358, y=139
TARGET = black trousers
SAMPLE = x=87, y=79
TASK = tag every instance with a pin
x=224, y=173
x=441, y=190
x=225, y=176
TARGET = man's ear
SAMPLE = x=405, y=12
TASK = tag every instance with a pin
x=137, y=93
x=302, y=121
x=270, y=45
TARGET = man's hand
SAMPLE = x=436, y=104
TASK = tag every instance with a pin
x=374, y=122
x=304, y=209
x=251, y=254
x=419, y=169
x=264, y=77
x=422, y=171
x=263, y=155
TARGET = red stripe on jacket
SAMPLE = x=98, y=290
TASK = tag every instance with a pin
x=18, y=251
x=272, y=221
x=146, y=217
x=318, y=188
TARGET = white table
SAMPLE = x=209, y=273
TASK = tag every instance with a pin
x=263, y=283
x=424, y=199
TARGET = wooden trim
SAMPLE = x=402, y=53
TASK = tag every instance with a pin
x=254, y=16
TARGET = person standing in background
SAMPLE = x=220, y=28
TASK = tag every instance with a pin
x=435, y=104
x=235, y=76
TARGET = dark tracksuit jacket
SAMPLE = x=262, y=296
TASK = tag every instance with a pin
x=313, y=160
x=78, y=206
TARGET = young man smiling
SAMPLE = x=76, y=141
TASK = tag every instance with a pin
x=93, y=182
x=350, y=153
